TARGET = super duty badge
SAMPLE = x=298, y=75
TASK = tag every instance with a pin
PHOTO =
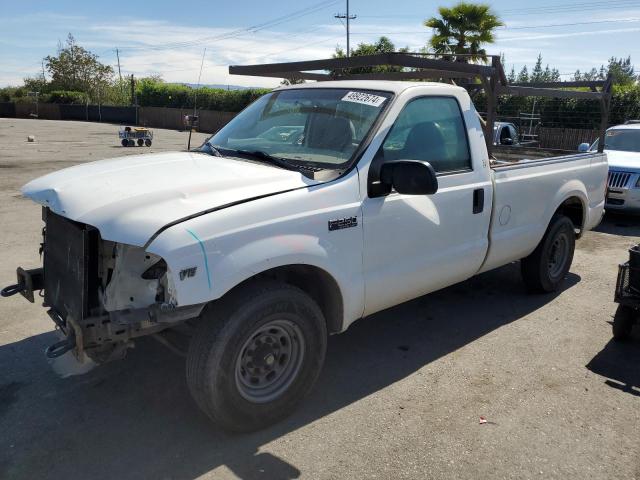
x=341, y=223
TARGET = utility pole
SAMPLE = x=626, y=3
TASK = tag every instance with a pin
x=119, y=73
x=347, y=17
x=133, y=90
x=194, y=119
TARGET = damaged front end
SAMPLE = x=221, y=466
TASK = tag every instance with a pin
x=101, y=294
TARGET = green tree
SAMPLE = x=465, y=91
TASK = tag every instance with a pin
x=462, y=30
x=523, y=76
x=77, y=69
x=383, y=45
x=622, y=71
x=591, y=75
x=537, y=74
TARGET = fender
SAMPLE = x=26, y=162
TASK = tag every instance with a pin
x=571, y=189
x=210, y=254
x=574, y=188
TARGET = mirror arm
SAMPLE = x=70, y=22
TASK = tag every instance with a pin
x=378, y=188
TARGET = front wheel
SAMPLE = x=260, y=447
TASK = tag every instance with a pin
x=255, y=355
x=545, y=269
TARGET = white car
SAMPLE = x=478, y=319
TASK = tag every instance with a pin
x=622, y=145
x=318, y=205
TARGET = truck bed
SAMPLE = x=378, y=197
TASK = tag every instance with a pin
x=527, y=190
x=510, y=156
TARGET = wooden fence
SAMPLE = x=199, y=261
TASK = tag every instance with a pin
x=565, y=138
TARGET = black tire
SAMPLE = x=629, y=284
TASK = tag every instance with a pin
x=147, y=142
x=543, y=271
x=124, y=142
x=215, y=375
x=140, y=142
x=623, y=322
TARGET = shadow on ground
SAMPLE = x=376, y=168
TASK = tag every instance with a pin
x=618, y=224
x=135, y=418
x=619, y=362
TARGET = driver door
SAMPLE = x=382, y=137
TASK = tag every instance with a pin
x=416, y=244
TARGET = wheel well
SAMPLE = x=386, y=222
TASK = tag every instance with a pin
x=316, y=283
x=573, y=209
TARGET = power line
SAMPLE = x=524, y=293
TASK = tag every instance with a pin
x=540, y=9
x=627, y=20
x=573, y=6
x=241, y=31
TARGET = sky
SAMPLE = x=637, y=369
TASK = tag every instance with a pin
x=169, y=38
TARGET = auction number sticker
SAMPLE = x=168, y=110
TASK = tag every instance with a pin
x=364, y=98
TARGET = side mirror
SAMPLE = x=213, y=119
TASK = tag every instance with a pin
x=507, y=141
x=583, y=147
x=409, y=177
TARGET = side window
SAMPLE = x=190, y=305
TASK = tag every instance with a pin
x=430, y=129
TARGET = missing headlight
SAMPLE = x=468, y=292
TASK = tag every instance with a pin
x=155, y=271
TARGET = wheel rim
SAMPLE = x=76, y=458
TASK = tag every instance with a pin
x=269, y=361
x=558, y=255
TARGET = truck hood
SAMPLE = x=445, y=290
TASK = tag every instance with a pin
x=629, y=161
x=129, y=199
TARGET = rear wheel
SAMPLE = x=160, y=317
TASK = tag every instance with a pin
x=255, y=355
x=623, y=322
x=140, y=142
x=124, y=142
x=545, y=269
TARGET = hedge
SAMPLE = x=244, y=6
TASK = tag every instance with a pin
x=566, y=113
x=157, y=94
x=67, y=96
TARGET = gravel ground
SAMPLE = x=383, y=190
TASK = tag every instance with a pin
x=401, y=394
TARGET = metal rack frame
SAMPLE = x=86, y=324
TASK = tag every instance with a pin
x=491, y=77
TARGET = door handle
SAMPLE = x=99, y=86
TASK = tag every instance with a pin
x=478, y=200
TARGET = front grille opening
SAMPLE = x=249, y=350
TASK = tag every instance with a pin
x=618, y=179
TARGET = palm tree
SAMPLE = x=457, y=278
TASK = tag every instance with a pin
x=463, y=29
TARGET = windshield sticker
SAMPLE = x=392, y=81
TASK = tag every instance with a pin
x=364, y=98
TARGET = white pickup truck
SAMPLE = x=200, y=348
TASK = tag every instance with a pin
x=316, y=206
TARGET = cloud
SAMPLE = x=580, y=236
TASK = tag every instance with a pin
x=138, y=42
x=546, y=36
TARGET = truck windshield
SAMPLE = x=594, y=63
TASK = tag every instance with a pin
x=622, y=139
x=307, y=127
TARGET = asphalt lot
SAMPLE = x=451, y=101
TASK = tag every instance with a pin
x=401, y=394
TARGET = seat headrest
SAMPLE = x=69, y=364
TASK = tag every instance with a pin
x=425, y=142
x=329, y=132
